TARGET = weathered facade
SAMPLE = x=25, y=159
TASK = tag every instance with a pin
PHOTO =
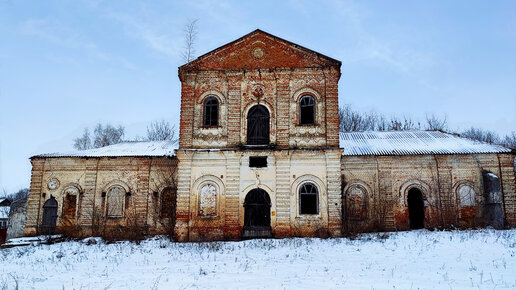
x=260, y=156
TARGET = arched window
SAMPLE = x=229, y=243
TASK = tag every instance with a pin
x=115, y=202
x=307, y=110
x=211, y=112
x=70, y=203
x=356, y=203
x=466, y=195
x=208, y=200
x=308, y=199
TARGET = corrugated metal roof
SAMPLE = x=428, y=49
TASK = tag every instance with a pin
x=125, y=149
x=412, y=143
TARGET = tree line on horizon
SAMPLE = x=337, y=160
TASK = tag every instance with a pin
x=352, y=120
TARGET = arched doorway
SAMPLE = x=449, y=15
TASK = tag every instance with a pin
x=49, y=216
x=257, y=214
x=258, y=126
x=416, y=208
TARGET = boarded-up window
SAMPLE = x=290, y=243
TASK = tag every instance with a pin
x=115, y=202
x=356, y=203
x=208, y=200
x=168, y=203
x=466, y=195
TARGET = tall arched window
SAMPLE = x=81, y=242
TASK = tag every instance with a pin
x=356, y=203
x=308, y=199
x=307, y=110
x=466, y=195
x=211, y=112
x=115, y=202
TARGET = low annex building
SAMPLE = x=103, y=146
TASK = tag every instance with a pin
x=260, y=155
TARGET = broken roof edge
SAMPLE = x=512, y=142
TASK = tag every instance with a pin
x=124, y=149
x=338, y=62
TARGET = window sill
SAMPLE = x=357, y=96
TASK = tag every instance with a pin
x=309, y=217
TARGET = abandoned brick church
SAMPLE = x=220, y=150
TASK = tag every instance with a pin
x=260, y=155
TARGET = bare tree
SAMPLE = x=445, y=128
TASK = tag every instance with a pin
x=83, y=142
x=481, y=135
x=161, y=131
x=190, y=33
x=510, y=140
x=107, y=135
x=104, y=135
x=435, y=123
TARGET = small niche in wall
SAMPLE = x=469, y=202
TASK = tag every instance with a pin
x=258, y=161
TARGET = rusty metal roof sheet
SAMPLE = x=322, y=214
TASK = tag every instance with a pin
x=412, y=143
x=124, y=149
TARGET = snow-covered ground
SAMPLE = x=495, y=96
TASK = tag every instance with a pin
x=484, y=259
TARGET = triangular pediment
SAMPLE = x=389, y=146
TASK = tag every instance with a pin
x=259, y=49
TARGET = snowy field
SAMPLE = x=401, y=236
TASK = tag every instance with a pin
x=484, y=259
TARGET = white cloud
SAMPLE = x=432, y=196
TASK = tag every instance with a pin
x=57, y=33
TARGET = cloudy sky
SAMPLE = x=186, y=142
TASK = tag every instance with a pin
x=67, y=65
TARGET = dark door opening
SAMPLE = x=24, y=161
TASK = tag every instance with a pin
x=49, y=216
x=416, y=208
x=257, y=214
x=258, y=126
x=492, y=211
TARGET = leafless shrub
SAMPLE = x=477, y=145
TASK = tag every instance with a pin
x=435, y=123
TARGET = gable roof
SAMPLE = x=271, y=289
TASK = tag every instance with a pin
x=412, y=143
x=124, y=149
x=237, y=54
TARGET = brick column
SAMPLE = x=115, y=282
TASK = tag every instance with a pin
x=334, y=192
x=187, y=112
x=34, y=210
x=234, y=108
x=332, y=109
x=181, y=229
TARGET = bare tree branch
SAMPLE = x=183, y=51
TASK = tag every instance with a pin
x=160, y=131
x=190, y=33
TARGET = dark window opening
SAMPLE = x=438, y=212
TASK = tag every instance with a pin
x=416, y=208
x=258, y=126
x=308, y=199
x=211, y=112
x=258, y=161
x=307, y=111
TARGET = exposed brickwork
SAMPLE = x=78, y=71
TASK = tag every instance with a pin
x=388, y=178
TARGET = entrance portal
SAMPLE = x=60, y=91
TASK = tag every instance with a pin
x=49, y=216
x=257, y=214
x=416, y=208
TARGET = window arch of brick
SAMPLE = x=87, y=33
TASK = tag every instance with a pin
x=299, y=185
x=211, y=112
x=71, y=193
x=308, y=198
x=115, y=197
x=307, y=109
x=356, y=195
